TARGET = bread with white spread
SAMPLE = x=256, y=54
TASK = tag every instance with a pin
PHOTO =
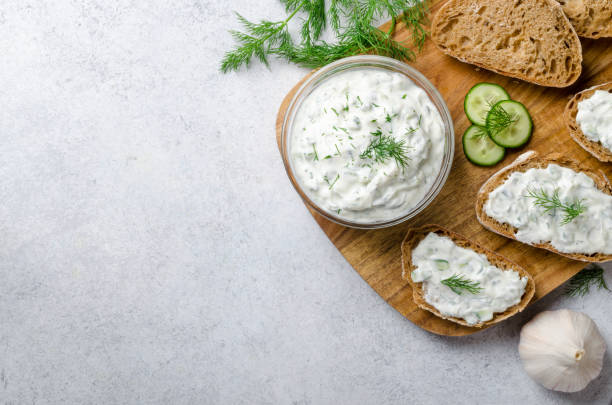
x=523, y=163
x=571, y=111
x=416, y=235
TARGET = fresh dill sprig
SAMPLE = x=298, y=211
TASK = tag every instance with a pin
x=458, y=284
x=257, y=41
x=385, y=147
x=580, y=284
x=552, y=203
x=351, y=20
x=480, y=132
x=499, y=119
x=360, y=39
x=414, y=18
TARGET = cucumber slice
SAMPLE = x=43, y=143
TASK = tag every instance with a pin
x=509, y=124
x=480, y=149
x=442, y=264
x=479, y=100
x=484, y=315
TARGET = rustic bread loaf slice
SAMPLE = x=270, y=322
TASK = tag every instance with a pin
x=524, y=162
x=531, y=40
x=416, y=235
x=590, y=18
x=571, y=110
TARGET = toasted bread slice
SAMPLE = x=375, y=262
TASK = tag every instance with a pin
x=524, y=162
x=594, y=148
x=590, y=18
x=416, y=235
x=531, y=40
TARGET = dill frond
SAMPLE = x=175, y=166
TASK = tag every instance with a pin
x=458, y=284
x=351, y=20
x=385, y=147
x=356, y=40
x=580, y=284
x=258, y=40
x=414, y=18
x=552, y=203
x=482, y=133
x=499, y=120
x=315, y=23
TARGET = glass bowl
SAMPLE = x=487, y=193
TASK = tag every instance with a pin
x=378, y=62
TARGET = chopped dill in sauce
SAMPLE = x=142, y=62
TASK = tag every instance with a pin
x=379, y=170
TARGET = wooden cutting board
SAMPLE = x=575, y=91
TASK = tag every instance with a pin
x=375, y=254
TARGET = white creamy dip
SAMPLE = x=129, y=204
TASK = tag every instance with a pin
x=595, y=118
x=339, y=120
x=588, y=233
x=438, y=258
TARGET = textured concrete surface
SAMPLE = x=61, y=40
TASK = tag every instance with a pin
x=153, y=251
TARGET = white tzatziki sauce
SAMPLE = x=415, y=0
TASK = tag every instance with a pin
x=438, y=258
x=344, y=118
x=590, y=232
x=595, y=118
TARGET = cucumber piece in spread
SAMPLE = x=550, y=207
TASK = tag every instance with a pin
x=509, y=124
x=480, y=149
x=480, y=99
x=442, y=264
x=484, y=315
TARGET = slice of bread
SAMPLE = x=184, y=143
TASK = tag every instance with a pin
x=594, y=148
x=524, y=162
x=416, y=235
x=590, y=18
x=531, y=40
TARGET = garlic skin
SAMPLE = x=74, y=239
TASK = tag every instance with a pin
x=562, y=350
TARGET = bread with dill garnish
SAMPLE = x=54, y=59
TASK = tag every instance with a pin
x=531, y=160
x=416, y=235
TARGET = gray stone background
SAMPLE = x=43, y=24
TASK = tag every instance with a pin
x=152, y=249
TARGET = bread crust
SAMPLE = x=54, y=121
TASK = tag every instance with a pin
x=523, y=163
x=416, y=235
x=590, y=18
x=571, y=110
x=505, y=57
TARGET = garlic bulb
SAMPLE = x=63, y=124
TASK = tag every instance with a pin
x=562, y=350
